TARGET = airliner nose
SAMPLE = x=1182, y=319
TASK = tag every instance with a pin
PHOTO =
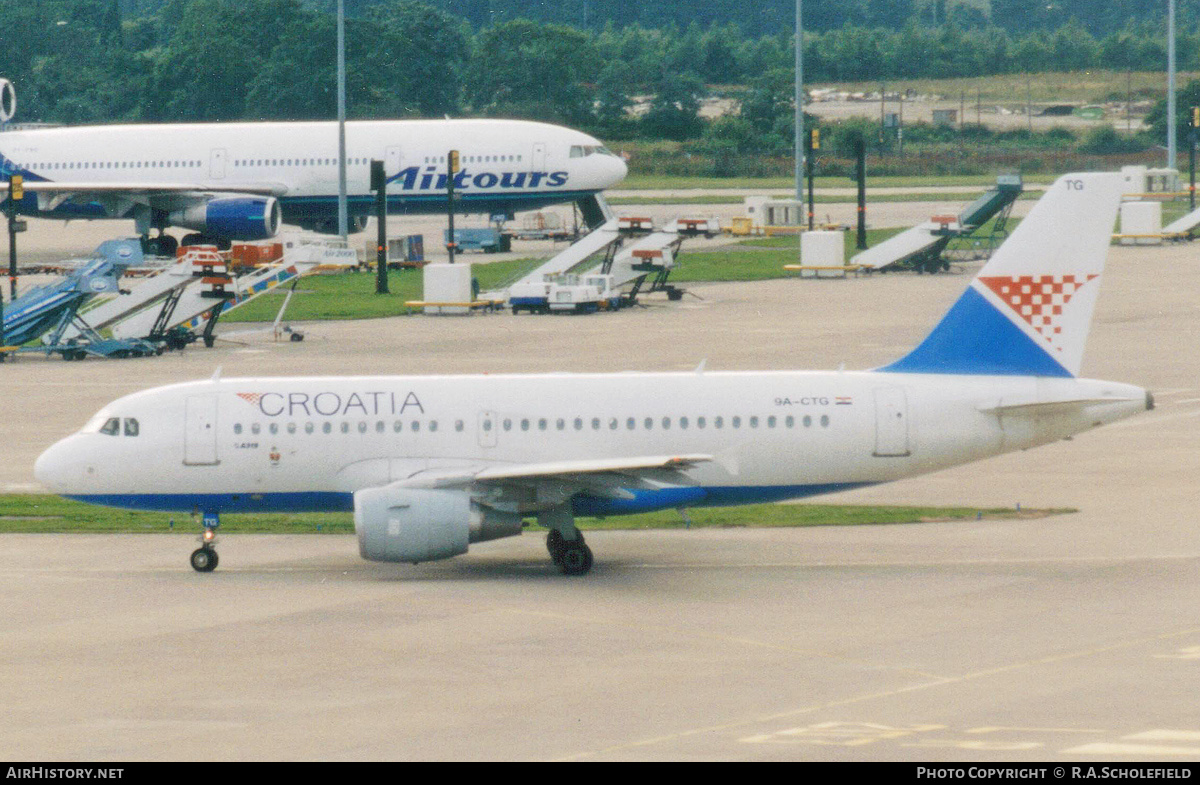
x=48, y=469
x=619, y=170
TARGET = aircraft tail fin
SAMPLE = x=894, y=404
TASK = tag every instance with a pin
x=1029, y=310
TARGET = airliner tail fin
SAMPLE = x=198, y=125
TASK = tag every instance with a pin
x=1029, y=310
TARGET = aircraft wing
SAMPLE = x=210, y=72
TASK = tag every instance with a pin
x=148, y=189
x=118, y=198
x=600, y=476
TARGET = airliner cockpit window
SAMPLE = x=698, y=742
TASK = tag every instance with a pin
x=111, y=427
x=131, y=426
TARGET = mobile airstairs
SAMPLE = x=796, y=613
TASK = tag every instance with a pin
x=921, y=247
x=53, y=312
x=630, y=250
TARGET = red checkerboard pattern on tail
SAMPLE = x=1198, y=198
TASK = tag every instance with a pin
x=1039, y=300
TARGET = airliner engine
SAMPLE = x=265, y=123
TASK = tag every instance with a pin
x=232, y=217
x=418, y=525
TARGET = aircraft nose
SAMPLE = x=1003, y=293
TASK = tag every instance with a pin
x=619, y=170
x=50, y=467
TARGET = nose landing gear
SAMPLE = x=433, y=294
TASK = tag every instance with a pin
x=204, y=558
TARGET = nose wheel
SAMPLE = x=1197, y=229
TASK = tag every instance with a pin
x=204, y=558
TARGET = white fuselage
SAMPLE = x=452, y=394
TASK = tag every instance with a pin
x=506, y=165
x=259, y=444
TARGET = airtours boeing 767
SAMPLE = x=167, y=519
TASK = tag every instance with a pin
x=430, y=464
x=239, y=181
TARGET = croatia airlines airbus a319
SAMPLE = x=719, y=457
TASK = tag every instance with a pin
x=239, y=181
x=431, y=464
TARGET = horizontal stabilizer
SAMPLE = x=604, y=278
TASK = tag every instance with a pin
x=1040, y=408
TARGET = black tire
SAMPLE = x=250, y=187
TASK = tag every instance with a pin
x=555, y=545
x=297, y=337
x=576, y=558
x=204, y=560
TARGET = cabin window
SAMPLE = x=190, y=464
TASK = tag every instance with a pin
x=542, y=423
x=379, y=427
x=824, y=420
x=291, y=427
x=397, y=426
x=508, y=425
x=255, y=428
x=700, y=422
x=807, y=421
x=771, y=421
x=718, y=422
x=416, y=426
x=753, y=422
x=433, y=425
x=595, y=423
x=362, y=427
x=273, y=428
x=560, y=423
x=666, y=423
x=237, y=427
x=649, y=423
x=524, y=425
x=579, y=423
x=789, y=421
x=683, y=422
x=345, y=427
x=612, y=423
x=308, y=427
x=458, y=425
x=736, y=422
x=631, y=423
x=326, y=427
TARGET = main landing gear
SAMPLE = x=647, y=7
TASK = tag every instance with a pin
x=565, y=543
x=204, y=558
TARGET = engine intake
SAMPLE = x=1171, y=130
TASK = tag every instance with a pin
x=417, y=525
x=232, y=217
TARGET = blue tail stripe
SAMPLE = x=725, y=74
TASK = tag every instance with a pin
x=975, y=338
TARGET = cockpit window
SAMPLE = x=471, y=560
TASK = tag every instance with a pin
x=111, y=427
x=131, y=426
x=584, y=150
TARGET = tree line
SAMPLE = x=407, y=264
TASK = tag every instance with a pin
x=79, y=61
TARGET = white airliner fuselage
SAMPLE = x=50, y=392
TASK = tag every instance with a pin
x=431, y=464
x=272, y=444
x=227, y=179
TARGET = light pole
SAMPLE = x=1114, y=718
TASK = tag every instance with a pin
x=799, y=141
x=1171, y=84
x=343, y=219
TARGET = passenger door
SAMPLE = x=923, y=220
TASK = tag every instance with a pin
x=891, y=423
x=216, y=163
x=200, y=431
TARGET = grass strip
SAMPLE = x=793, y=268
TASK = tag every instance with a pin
x=43, y=513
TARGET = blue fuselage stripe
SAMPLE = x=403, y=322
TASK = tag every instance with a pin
x=335, y=501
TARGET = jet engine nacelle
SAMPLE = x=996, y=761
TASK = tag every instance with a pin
x=417, y=525
x=232, y=217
